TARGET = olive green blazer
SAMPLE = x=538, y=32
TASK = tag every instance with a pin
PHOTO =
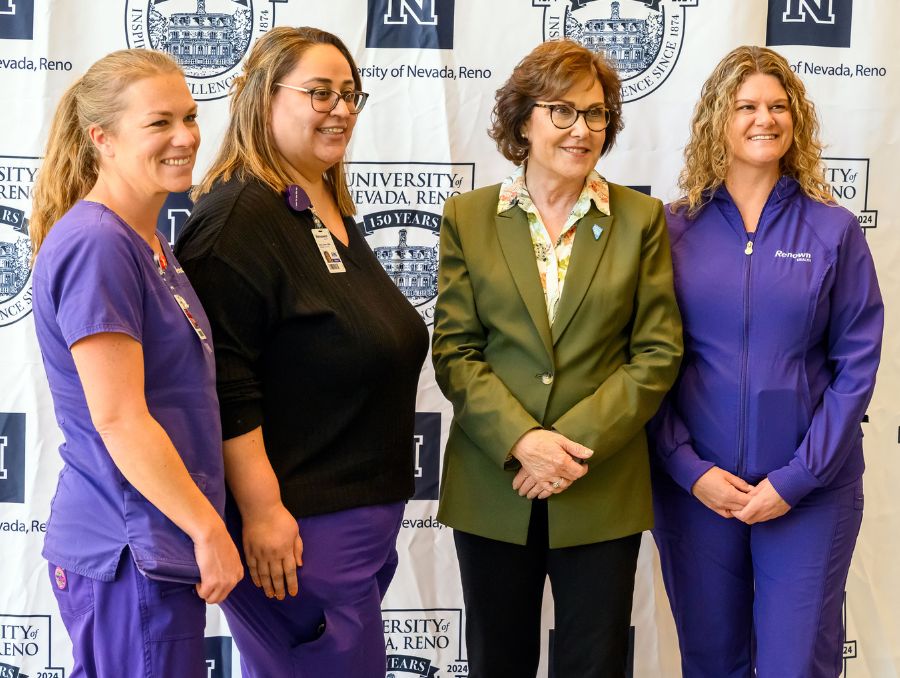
x=596, y=376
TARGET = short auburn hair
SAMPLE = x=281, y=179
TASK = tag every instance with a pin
x=550, y=70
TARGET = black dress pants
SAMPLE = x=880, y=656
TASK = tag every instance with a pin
x=503, y=584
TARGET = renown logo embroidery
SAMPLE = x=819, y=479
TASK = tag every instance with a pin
x=825, y=23
x=796, y=256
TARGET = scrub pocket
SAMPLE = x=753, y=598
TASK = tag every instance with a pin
x=74, y=594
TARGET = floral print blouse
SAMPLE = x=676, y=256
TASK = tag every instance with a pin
x=552, y=259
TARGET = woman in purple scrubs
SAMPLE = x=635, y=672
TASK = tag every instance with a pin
x=758, y=490
x=135, y=541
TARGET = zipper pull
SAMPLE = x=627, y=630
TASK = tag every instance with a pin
x=749, y=248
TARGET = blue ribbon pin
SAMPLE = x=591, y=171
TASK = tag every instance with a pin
x=596, y=230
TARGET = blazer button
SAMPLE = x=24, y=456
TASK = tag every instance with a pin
x=546, y=378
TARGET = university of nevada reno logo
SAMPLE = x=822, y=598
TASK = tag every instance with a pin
x=641, y=38
x=849, y=651
x=16, y=23
x=424, y=643
x=207, y=37
x=16, y=180
x=401, y=206
x=824, y=23
x=25, y=649
x=849, y=180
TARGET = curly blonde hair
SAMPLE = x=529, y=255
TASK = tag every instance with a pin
x=707, y=154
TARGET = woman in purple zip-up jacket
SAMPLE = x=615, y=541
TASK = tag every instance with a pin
x=758, y=465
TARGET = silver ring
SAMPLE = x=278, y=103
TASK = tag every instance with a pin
x=555, y=484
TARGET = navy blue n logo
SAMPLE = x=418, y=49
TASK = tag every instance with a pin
x=825, y=23
x=799, y=10
x=12, y=458
x=422, y=12
x=3, y=472
x=16, y=19
x=410, y=24
x=218, y=656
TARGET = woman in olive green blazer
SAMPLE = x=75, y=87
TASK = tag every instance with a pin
x=546, y=466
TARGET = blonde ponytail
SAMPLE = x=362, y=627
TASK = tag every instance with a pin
x=68, y=172
x=70, y=168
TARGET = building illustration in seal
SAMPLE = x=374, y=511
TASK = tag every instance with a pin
x=204, y=43
x=8, y=285
x=630, y=44
x=201, y=39
x=14, y=270
x=413, y=268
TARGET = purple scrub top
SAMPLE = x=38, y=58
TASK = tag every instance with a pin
x=96, y=274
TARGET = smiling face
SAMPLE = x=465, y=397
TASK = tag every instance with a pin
x=310, y=141
x=566, y=155
x=761, y=129
x=154, y=144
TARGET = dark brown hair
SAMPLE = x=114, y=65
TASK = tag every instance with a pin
x=547, y=72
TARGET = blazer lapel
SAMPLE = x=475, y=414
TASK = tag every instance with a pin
x=515, y=241
x=586, y=252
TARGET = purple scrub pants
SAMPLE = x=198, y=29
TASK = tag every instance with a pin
x=333, y=627
x=767, y=596
x=131, y=627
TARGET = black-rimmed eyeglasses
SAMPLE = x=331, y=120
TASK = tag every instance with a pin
x=325, y=100
x=564, y=116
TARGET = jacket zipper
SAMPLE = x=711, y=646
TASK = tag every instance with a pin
x=745, y=350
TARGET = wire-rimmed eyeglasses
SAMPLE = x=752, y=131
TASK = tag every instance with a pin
x=564, y=116
x=325, y=100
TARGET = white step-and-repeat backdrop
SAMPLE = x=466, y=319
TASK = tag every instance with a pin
x=432, y=67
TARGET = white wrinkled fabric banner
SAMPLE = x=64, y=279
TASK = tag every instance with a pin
x=432, y=67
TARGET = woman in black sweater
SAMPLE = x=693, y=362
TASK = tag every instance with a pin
x=318, y=357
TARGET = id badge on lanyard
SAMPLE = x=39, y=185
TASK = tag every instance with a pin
x=162, y=266
x=327, y=248
x=299, y=201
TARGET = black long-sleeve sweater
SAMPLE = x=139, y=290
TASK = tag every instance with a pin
x=327, y=363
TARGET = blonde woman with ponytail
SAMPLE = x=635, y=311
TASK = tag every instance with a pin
x=135, y=541
x=318, y=357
